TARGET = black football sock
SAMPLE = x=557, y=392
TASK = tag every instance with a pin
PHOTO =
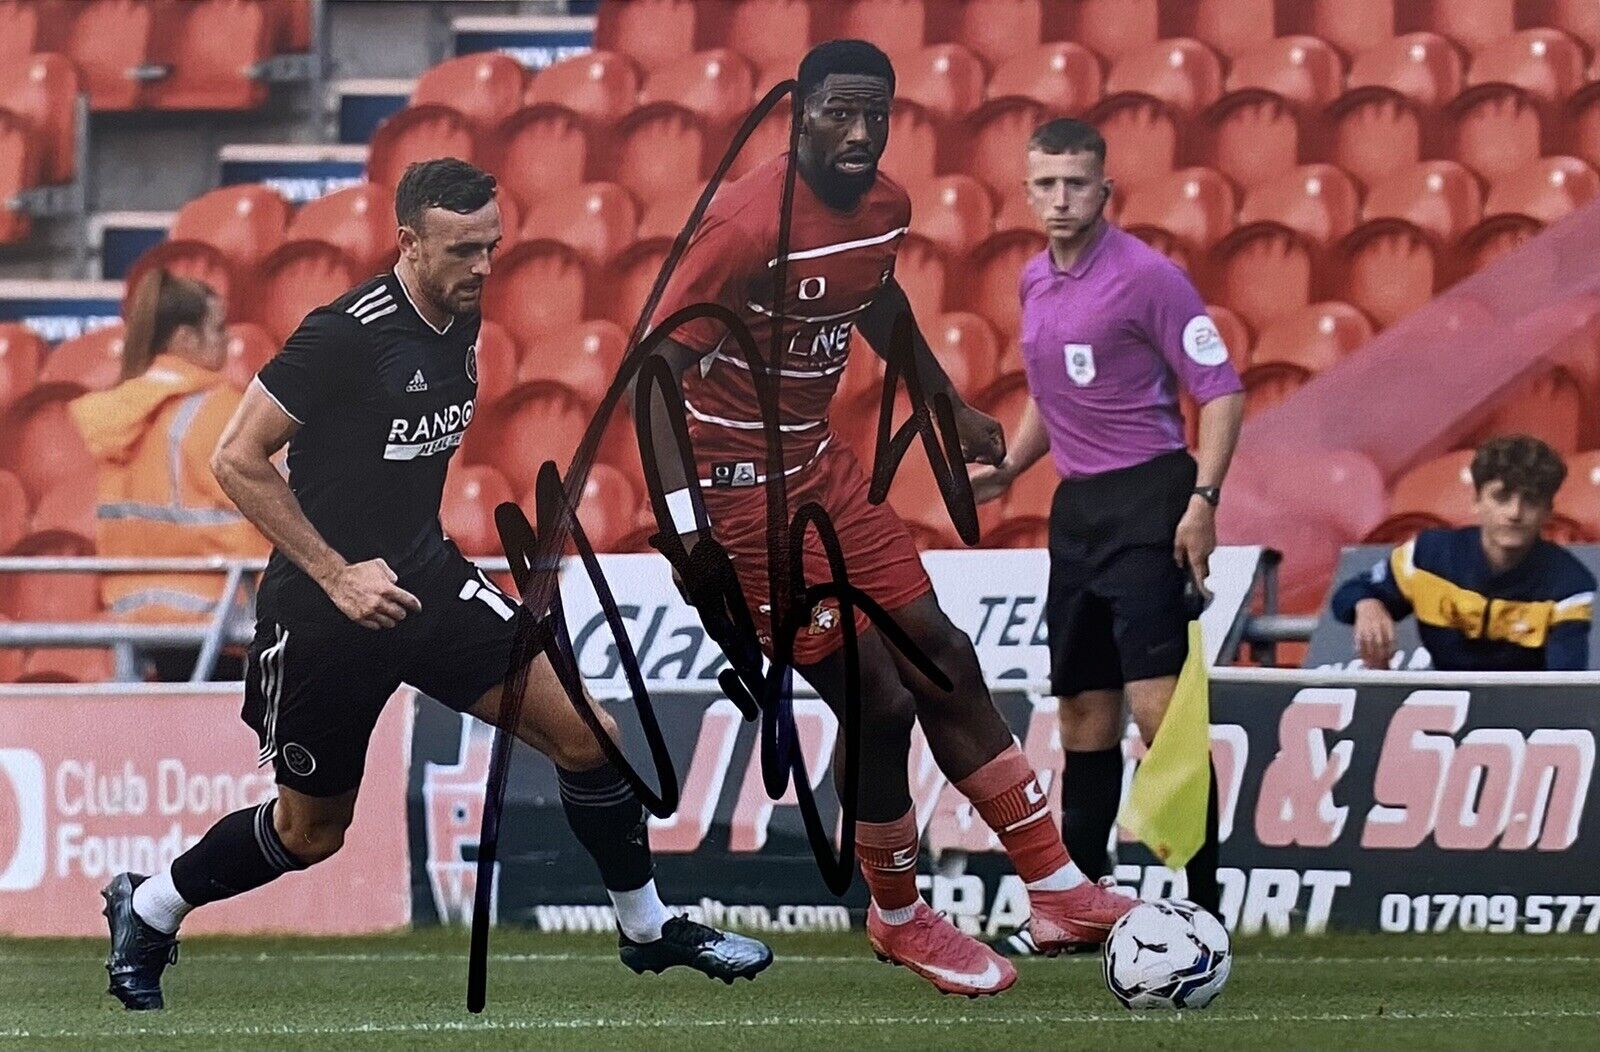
x=1202, y=868
x=241, y=852
x=1091, y=786
x=609, y=821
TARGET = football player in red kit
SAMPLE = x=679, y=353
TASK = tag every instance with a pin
x=846, y=224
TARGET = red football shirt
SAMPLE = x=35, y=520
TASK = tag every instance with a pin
x=837, y=263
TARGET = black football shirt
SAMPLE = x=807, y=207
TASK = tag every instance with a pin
x=382, y=399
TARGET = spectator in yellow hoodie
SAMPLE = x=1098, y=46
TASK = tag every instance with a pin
x=152, y=436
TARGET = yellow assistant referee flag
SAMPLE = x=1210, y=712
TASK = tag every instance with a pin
x=1166, y=806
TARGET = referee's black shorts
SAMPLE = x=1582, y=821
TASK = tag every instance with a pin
x=314, y=688
x=1117, y=610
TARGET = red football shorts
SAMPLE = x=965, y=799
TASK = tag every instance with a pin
x=880, y=557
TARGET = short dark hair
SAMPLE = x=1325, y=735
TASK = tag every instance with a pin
x=1065, y=135
x=444, y=182
x=841, y=56
x=1522, y=464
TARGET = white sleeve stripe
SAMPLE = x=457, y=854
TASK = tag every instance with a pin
x=1574, y=600
x=279, y=403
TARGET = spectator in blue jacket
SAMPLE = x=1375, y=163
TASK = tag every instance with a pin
x=1490, y=597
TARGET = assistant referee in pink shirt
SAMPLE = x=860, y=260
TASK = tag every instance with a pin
x=1110, y=331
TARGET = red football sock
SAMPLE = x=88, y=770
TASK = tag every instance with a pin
x=1010, y=799
x=888, y=854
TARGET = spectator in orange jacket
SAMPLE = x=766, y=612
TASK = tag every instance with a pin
x=152, y=436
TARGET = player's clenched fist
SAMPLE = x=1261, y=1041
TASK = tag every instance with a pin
x=366, y=593
x=983, y=441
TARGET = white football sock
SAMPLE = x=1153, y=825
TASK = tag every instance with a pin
x=1066, y=878
x=899, y=916
x=640, y=913
x=158, y=903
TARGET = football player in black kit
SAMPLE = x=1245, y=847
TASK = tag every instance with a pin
x=363, y=592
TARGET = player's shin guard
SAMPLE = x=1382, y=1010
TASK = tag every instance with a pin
x=1008, y=796
x=609, y=821
x=238, y=854
x=888, y=855
x=1202, y=868
x=1091, y=786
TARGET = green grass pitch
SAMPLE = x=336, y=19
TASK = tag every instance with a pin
x=825, y=991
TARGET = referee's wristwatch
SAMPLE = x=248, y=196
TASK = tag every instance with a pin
x=1212, y=495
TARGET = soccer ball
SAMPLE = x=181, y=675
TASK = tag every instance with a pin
x=1169, y=954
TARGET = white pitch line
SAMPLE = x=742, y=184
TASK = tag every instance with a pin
x=1016, y=1019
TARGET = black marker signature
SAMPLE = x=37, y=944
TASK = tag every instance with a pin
x=707, y=572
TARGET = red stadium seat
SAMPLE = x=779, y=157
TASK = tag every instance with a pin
x=597, y=219
x=1261, y=273
x=244, y=222
x=1141, y=138
x=965, y=337
x=539, y=150
x=945, y=79
x=1320, y=336
x=1253, y=137
x=1550, y=407
x=21, y=351
x=1352, y=26
x=771, y=138
x=68, y=507
x=1303, y=70
x=1235, y=335
x=1579, y=18
x=861, y=380
x=992, y=291
x=999, y=133
x=995, y=30
x=19, y=169
x=657, y=149
x=899, y=27
x=1496, y=129
x=297, y=279
x=650, y=32
x=608, y=508
x=13, y=511
x=1441, y=197
x=292, y=20
x=766, y=31
x=485, y=88
x=1424, y=67
x=212, y=51
x=249, y=348
x=466, y=511
x=1489, y=240
x=1437, y=492
x=1388, y=269
x=418, y=133
x=630, y=279
x=919, y=268
x=1113, y=28
x=43, y=446
x=1577, y=504
x=1548, y=189
x=599, y=85
x=1581, y=120
x=1318, y=200
x=538, y=286
x=535, y=423
x=92, y=361
x=110, y=41
x=1061, y=76
x=66, y=665
x=912, y=154
x=666, y=216
x=43, y=89
x=1228, y=27
x=955, y=212
x=1195, y=205
x=498, y=361
x=716, y=85
x=1268, y=386
x=29, y=27
x=359, y=220
x=1184, y=74
x=1015, y=213
x=1166, y=244
x=584, y=357
x=200, y=261
x=1546, y=63
x=1471, y=23
x=1374, y=132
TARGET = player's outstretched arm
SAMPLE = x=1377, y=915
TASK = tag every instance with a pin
x=364, y=592
x=982, y=440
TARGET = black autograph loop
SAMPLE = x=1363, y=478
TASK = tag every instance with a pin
x=707, y=573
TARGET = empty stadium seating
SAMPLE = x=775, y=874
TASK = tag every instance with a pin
x=600, y=85
x=43, y=90
x=296, y=279
x=92, y=361
x=20, y=353
x=244, y=223
x=1060, y=75
x=210, y=49
x=485, y=88
x=358, y=220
